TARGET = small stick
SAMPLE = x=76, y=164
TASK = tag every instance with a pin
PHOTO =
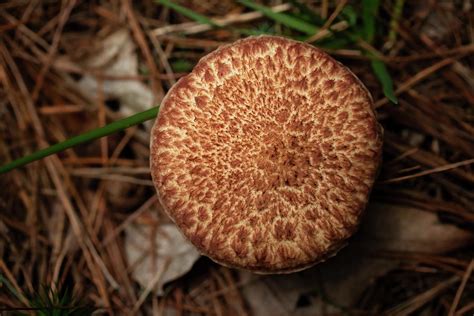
x=194, y=27
x=434, y=170
x=457, y=298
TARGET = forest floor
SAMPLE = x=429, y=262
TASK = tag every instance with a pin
x=87, y=221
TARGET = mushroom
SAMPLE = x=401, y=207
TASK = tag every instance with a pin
x=265, y=154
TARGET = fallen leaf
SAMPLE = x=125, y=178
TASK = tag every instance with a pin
x=340, y=281
x=173, y=254
x=403, y=228
x=116, y=57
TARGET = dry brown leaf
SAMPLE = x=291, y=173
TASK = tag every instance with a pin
x=403, y=228
x=117, y=57
x=174, y=255
x=344, y=277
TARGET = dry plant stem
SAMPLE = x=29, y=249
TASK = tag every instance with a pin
x=324, y=9
x=178, y=294
x=457, y=298
x=96, y=202
x=86, y=161
x=119, y=178
x=465, y=309
x=460, y=50
x=164, y=60
x=84, y=242
x=142, y=43
x=435, y=170
x=437, y=261
x=417, y=78
x=237, y=296
x=194, y=27
x=323, y=31
x=214, y=300
x=90, y=252
x=130, y=219
x=426, y=158
x=60, y=109
x=104, y=145
x=64, y=15
x=151, y=285
x=26, y=106
x=185, y=42
x=53, y=166
x=236, y=285
x=418, y=301
x=12, y=280
x=233, y=297
x=116, y=254
x=111, y=170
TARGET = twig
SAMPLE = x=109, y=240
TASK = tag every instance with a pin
x=457, y=298
x=418, y=301
x=194, y=27
x=323, y=31
x=417, y=78
x=435, y=170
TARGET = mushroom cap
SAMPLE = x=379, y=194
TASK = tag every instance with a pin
x=265, y=154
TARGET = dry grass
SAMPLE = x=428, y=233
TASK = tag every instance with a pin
x=62, y=219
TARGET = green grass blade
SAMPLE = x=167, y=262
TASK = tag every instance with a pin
x=188, y=12
x=285, y=19
x=6, y=283
x=335, y=42
x=369, y=12
x=83, y=138
x=182, y=65
x=253, y=32
x=306, y=13
x=65, y=299
x=384, y=77
x=397, y=12
x=350, y=15
x=204, y=19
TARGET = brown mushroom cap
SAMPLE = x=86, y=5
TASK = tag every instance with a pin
x=265, y=154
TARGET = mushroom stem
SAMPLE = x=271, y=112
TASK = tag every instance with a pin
x=83, y=138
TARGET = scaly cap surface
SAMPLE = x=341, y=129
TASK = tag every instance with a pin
x=265, y=154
